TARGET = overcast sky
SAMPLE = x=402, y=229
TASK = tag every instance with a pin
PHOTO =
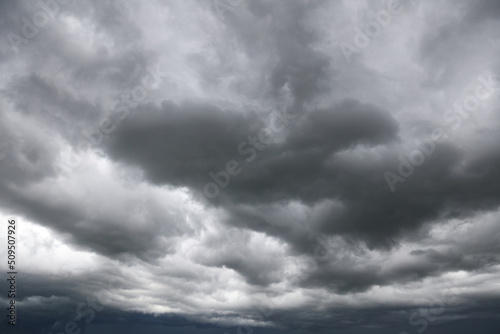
x=251, y=166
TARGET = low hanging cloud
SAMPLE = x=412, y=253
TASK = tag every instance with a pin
x=226, y=166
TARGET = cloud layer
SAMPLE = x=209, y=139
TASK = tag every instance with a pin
x=197, y=165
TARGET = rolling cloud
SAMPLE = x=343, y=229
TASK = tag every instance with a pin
x=239, y=166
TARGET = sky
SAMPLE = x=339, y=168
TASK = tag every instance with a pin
x=251, y=166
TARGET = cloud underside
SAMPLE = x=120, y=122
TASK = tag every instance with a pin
x=238, y=161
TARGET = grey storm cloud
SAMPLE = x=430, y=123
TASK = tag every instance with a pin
x=187, y=142
x=261, y=180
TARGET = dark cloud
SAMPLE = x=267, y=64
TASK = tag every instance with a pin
x=482, y=11
x=187, y=142
x=253, y=170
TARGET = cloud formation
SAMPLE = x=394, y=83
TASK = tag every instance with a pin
x=198, y=165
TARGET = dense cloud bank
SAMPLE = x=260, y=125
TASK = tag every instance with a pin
x=279, y=166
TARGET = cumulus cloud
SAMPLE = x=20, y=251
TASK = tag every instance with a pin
x=192, y=166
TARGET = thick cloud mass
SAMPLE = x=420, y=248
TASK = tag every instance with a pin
x=187, y=142
x=291, y=166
